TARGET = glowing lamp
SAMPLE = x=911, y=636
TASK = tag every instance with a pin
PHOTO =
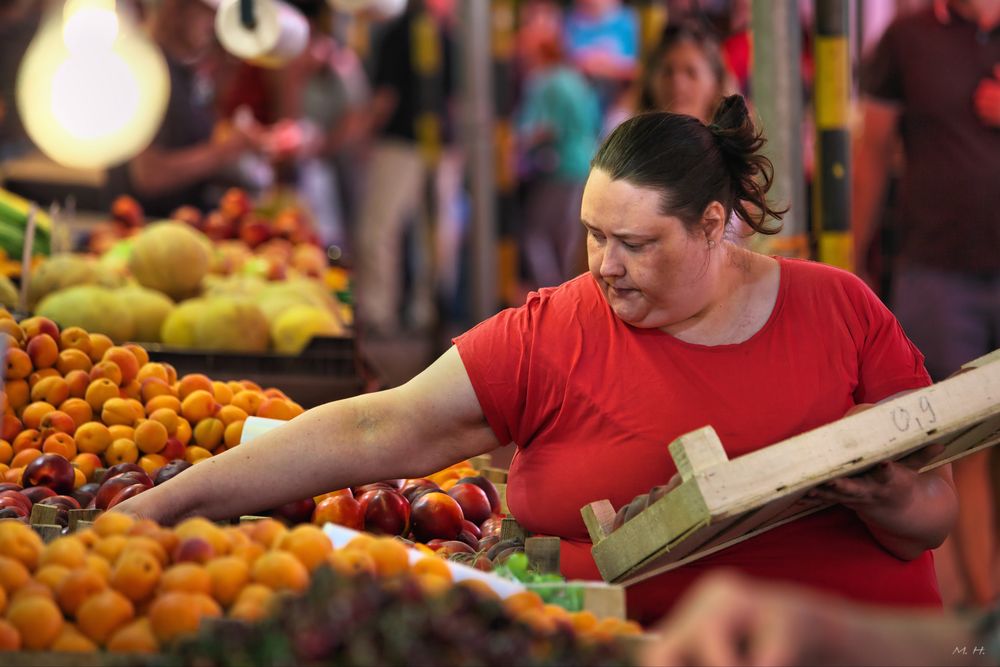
x=91, y=90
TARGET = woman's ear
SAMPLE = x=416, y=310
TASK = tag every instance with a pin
x=713, y=221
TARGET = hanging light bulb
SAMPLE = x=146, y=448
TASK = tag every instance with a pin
x=91, y=90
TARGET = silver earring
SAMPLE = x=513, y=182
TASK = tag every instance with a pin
x=711, y=244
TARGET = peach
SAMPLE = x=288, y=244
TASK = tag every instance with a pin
x=194, y=549
x=18, y=392
x=60, y=443
x=153, y=387
x=193, y=382
x=99, y=392
x=35, y=326
x=183, y=432
x=52, y=390
x=171, y=372
x=276, y=408
x=138, y=408
x=152, y=462
x=5, y=314
x=121, y=431
x=208, y=433
x=233, y=434
x=21, y=460
x=12, y=329
x=174, y=449
x=151, y=436
x=198, y=405
x=27, y=439
x=251, y=386
x=223, y=394
x=159, y=402
x=99, y=344
x=120, y=411
x=33, y=413
x=121, y=450
x=78, y=409
x=107, y=369
x=75, y=338
x=43, y=350
x=126, y=361
x=274, y=392
x=152, y=370
x=18, y=364
x=73, y=360
x=92, y=437
x=40, y=375
x=167, y=417
x=132, y=390
x=139, y=352
x=196, y=454
x=230, y=413
x=56, y=421
x=235, y=387
x=248, y=401
x=10, y=426
x=88, y=463
x=78, y=381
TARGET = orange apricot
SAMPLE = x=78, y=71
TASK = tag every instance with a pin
x=73, y=360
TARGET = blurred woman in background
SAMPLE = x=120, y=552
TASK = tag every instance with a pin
x=686, y=73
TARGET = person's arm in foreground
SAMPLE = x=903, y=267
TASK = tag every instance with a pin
x=409, y=431
x=907, y=512
x=727, y=619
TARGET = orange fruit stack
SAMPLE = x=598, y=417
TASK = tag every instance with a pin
x=97, y=404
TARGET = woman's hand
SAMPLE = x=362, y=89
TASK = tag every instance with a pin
x=906, y=511
x=888, y=486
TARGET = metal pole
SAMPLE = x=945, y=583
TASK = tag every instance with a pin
x=832, y=95
x=776, y=85
x=477, y=112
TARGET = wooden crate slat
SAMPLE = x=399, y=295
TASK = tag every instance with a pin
x=723, y=502
x=675, y=515
x=852, y=444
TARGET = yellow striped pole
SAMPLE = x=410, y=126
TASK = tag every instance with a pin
x=832, y=91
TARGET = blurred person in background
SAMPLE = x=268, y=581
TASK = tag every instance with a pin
x=319, y=100
x=729, y=619
x=402, y=182
x=602, y=42
x=934, y=80
x=685, y=73
x=559, y=125
x=193, y=156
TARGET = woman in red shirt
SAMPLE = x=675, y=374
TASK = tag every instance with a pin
x=673, y=328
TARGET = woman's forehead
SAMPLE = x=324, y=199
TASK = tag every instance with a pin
x=620, y=206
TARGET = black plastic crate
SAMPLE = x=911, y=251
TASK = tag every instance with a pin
x=329, y=369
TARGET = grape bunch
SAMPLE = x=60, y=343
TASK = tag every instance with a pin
x=362, y=621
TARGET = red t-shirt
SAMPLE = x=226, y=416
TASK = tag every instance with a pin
x=593, y=403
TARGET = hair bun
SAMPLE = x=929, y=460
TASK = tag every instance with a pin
x=731, y=114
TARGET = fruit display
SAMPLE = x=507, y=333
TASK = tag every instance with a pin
x=237, y=218
x=454, y=513
x=225, y=298
x=74, y=404
x=127, y=585
x=416, y=621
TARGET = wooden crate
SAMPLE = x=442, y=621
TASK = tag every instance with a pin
x=720, y=503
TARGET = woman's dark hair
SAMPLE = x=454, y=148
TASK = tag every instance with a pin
x=694, y=33
x=692, y=164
